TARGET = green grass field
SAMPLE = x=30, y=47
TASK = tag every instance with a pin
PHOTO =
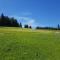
x=27, y=44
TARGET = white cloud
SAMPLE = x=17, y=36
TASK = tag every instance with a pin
x=29, y=21
x=25, y=18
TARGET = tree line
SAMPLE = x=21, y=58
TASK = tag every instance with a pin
x=9, y=22
x=12, y=22
x=49, y=28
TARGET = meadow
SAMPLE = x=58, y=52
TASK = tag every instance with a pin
x=29, y=44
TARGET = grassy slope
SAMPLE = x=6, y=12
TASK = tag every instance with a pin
x=23, y=44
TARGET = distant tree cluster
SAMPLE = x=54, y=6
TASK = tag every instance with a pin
x=49, y=28
x=9, y=22
x=26, y=26
x=12, y=22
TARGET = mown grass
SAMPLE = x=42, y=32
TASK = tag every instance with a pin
x=27, y=44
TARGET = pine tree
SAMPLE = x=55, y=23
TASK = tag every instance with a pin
x=58, y=26
x=20, y=25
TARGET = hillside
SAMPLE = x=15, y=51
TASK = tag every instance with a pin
x=29, y=44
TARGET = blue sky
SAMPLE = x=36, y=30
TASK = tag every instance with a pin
x=33, y=12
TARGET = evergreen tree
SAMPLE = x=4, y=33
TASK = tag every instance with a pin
x=58, y=26
x=6, y=21
x=26, y=26
x=30, y=27
x=20, y=25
